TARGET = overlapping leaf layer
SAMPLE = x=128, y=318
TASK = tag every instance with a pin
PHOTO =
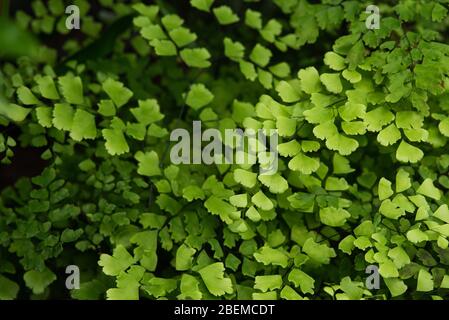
x=363, y=122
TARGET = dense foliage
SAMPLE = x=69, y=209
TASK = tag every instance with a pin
x=86, y=177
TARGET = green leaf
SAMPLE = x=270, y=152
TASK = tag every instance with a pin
x=302, y=201
x=115, y=141
x=213, y=277
x=399, y=256
x=47, y=88
x=281, y=70
x=38, y=281
x=15, y=37
x=147, y=112
x=445, y=282
x=439, y=12
x=148, y=163
x=152, y=220
x=172, y=21
x=310, y=146
x=403, y=181
x=270, y=256
x=239, y=200
x=389, y=135
x=378, y=118
x=245, y=178
x=334, y=61
x=160, y=287
x=225, y=15
x=387, y=269
x=117, y=92
x=332, y=82
x=350, y=111
x=352, y=76
x=416, y=135
x=8, y=289
x=351, y=289
x=286, y=126
x=265, y=78
x=47, y=176
x=148, y=11
x=156, y=131
x=353, y=128
x=233, y=50
x=289, y=149
x=260, y=55
x=319, y=253
x=13, y=112
x=262, y=201
x=275, y=182
x=83, y=126
x=44, y=116
x=253, y=19
x=197, y=57
x=347, y=244
x=325, y=130
x=444, y=127
x=130, y=292
x=344, y=145
x=356, y=54
x=287, y=92
x=87, y=165
x=248, y=70
x=271, y=30
x=321, y=100
x=310, y=80
x=182, y=36
x=221, y=208
x=429, y=190
x=409, y=120
x=164, y=47
x=442, y=213
x=385, y=191
x=118, y=262
x=192, y=192
x=106, y=108
x=334, y=217
x=153, y=32
x=184, y=257
x=203, y=5
x=320, y=115
x=198, y=96
x=253, y=214
x=408, y=153
x=304, y=164
x=336, y=184
x=341, y=164
x=26, y=96
x=270, y=295
x=266, y=283
x=391, y=210
x=425, y=281
x=72, y=89
x=189, y=288
x=417, y=236
x=69, y=235
x=396, y=286
x=63, y=115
